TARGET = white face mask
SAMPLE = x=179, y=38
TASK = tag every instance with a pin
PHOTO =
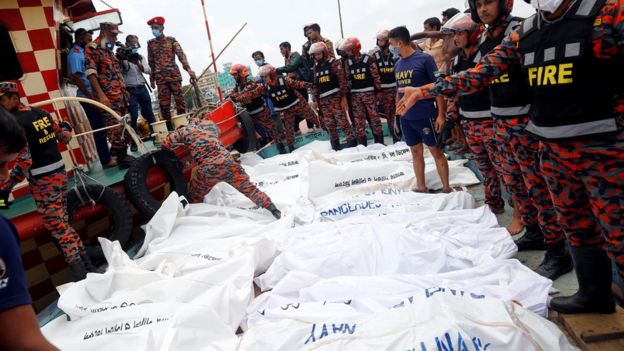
x=546, y=5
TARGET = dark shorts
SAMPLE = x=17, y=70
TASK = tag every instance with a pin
x=419, y=131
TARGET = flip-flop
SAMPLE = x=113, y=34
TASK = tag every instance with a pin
x=416, y=190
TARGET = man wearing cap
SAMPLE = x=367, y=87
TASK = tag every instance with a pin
x=312, y=31
x=76, y=64
x=161, y=53
x=41, y=163
x=104, y=73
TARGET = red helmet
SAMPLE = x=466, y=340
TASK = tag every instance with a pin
x=505, y=7
x=462, y=22
x=352, y=44
x=239, y=70
x=318, y=48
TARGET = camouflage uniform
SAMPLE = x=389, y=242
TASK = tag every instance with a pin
x=214, y=162
x=330, y=106
x=388, y=93
x=248, y=95
x=301, y=108
x=364, y=103
x=48, y=188
x=583, y=172
x=161, y=53
x=106, y=67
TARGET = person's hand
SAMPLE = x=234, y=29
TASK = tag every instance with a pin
x=152, y=84
x=315, y=106
x=192, y=74
x=104, y=100
x=439, y=124
x=411, y=95
x=344, y=103
x=5, y=204
x=66, y=126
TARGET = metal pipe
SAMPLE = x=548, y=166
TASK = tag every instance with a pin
x=340, y=16
x=212, y=50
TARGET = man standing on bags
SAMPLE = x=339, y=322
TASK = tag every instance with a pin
x=329, y=92
x=161, y=54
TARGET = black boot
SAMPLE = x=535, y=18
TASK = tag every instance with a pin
x=169, y=125
x=274, y=211
x=379, y=139
x=593, y=271
x=335, y=144
x=557, y=262
x=282, y=148
x=123, y=159
x=351, y=143
x=362, y=141
x=78, y=270
x=291, y=147
x=533, y=239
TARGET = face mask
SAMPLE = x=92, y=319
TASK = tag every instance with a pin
x=135, y=50
x=395, y=51
x=107, y=44
x=259, y=63
x=156, y=33
x=546, y=5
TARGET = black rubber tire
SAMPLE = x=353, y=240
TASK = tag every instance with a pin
x=135, y=180
x=117, y=207
x=248, y=141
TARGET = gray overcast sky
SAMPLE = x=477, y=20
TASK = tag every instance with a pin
x=271, y=22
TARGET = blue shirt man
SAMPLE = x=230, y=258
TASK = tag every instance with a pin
x=76, y=64
x=13, y=291
x=417, y=70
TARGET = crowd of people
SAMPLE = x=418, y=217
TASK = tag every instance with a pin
x=518, y=95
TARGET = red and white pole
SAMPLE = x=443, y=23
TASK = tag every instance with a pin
x=212, y=51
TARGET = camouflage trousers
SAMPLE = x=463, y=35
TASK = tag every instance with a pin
x=264, y=119
x=209, y=174
x=387, y=98
x=116, y=136
x=511, y=171
x=50, y=192
x=364, y=104
x=586, y=181
x=483, y=147
x=334, y=116
x=165, y=90
x=525, y=150
x=301, y=109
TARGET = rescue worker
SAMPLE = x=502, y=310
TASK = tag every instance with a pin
x=571, y=56
x=287, y=101
x=41, y=163
x=518, y=150
x=341, y=60
x=103, y=70
x=161, y=54
x=250, y=94
x=215, y=164
x=312, y=32
x=329, y=92
x=387, y=95
x=364, y=82
x=474, y=111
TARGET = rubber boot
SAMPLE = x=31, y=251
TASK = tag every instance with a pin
x=91, y=268
x=78, y=270
x=362, y=141
x=123, y=159
x=533, y=239
x=291, y=147
x=335, y=144
x=282, y=148
x=557, y=262
x=274, y=211
x=169, y=125
x=379, y=139
x=351, y=143
x=593, y=271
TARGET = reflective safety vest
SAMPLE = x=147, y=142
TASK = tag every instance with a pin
x=477, y=105
x=360, y=75
x=386, y=69
x=509, y=94
x=325, y=80
x=283, y=96
x=573, y=92
x=39, y=128
x=253, y=106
